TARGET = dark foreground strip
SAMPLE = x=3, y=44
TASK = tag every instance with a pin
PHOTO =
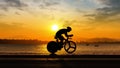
x=59, y=61
x=59, y=56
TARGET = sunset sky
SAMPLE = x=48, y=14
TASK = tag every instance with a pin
x=33, y=19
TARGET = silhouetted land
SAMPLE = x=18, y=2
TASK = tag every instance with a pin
x=22, y=41
x=117, y=42
x=101, y=41
x=30, y=42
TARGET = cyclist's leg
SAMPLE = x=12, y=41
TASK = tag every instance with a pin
x=60, y=42
x=61, y=39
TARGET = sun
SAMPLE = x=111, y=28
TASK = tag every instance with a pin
x=54, y=27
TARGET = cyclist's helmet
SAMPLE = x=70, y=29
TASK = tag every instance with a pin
x=69, y=29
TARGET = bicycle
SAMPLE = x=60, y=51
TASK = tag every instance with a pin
x=54, y=46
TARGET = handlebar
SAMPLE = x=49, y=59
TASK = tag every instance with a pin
x=69, y=37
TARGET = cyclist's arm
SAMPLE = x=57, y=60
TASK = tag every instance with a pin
x=66, y=34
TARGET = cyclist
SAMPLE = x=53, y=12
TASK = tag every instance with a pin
x=61, y=32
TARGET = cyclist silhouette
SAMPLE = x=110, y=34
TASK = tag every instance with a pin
x=62, y=42
x=61, y=32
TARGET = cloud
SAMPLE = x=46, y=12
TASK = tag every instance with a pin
x=113, y=3
x=15, y=3
x=81, y=25
x=17, y=13
x=68, y=23
x=12, y=26
x=27, y=6
x=111, y=9
x=1, y=15
x=46, y=3
x=49, y=3
x=6, y=4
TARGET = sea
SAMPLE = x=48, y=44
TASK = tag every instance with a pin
x=41, y=49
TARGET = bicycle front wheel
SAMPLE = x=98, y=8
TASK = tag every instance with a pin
x=70, y=46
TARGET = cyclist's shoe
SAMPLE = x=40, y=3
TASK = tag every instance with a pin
x=59, y=47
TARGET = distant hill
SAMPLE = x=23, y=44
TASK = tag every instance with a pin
x=22, y=41
x=102, y=40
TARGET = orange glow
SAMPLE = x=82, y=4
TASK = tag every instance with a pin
x=42, y=23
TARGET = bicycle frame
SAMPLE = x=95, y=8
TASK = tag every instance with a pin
x=66, y=40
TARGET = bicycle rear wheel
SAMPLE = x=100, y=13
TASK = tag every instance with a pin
x=70, y=46
x=52, y=47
